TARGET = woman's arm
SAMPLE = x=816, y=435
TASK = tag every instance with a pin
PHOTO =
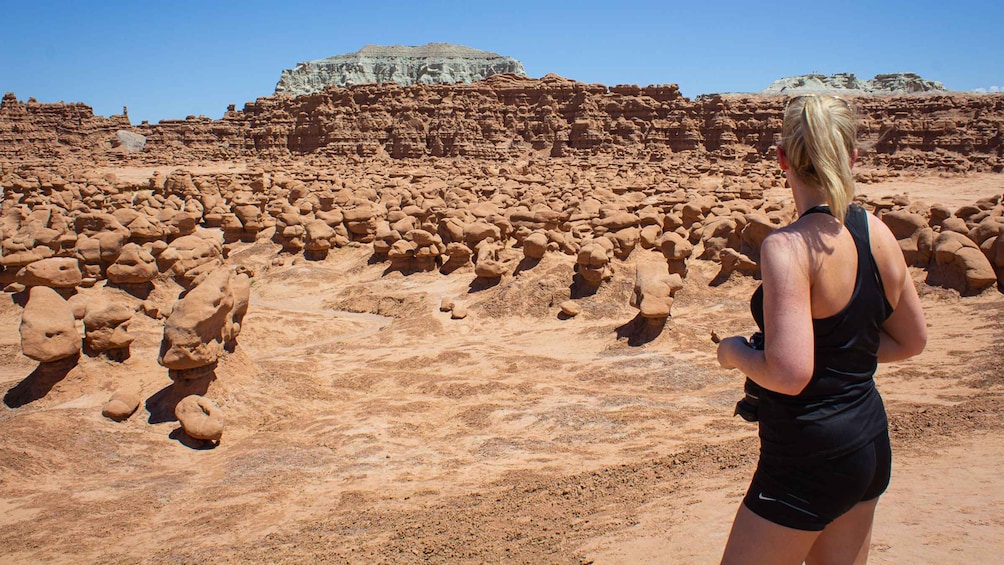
x=785, y=365
x=904, y=333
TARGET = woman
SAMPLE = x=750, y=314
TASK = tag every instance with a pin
x=836, y=299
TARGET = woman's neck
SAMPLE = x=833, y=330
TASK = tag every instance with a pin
x=806, y=195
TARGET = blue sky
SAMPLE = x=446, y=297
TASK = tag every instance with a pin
x=176, y=58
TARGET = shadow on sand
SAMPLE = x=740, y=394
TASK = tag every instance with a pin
x=39, y=382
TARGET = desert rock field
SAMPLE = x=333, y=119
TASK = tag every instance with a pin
x=457, y=323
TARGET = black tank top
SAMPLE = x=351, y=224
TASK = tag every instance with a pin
x=839, y=410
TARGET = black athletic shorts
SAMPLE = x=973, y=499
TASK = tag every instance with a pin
x=810, y=495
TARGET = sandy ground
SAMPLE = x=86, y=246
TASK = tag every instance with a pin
x=363, y=425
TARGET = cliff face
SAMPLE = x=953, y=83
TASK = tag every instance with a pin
x=48, y=130
x=435, y=63
x=505, y=117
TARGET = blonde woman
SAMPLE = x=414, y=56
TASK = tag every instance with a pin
x=836, y=299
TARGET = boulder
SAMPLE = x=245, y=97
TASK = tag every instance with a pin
x=200, y=418
x=570, y=308
x=535, y=245
x=123, y=402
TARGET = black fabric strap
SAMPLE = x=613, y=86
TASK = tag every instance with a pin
x=821, y=209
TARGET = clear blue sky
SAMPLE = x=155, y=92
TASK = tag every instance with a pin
x=169, y=59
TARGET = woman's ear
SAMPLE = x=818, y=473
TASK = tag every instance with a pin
x=782, y=159
x=854, y=157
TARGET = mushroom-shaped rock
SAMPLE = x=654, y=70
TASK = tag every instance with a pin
x=200, y=418
x=361, y=222
x=47, y=327
x=55, y=272
x=134, y=265
x=654, y=288
x=960, y=264
x=459, y=255
x=593, y=260
x=401, y=255
x=991, y=226
x=677, y=250
x=319, y=238
x=123, y=403
x=649, y=236
x=106, y=327
x=193, y=333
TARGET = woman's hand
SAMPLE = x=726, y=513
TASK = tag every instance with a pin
x=729, y=350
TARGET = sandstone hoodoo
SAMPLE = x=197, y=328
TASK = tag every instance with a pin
x=434, y=63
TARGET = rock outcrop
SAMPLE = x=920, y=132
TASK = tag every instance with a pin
x=434, y=63
x=506, y=117
x=893, y=83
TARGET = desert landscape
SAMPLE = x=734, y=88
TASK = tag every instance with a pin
x=457, y=323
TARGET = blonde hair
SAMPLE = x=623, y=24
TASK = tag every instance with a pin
x=818, y=137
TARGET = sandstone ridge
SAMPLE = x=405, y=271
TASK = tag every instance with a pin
x=433, y=63
x=507, y=117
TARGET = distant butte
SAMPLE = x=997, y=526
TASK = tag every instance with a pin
x=433, y=63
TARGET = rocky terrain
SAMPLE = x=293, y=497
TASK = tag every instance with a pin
x=453, y=323
x=888, y=84
x=433, y=63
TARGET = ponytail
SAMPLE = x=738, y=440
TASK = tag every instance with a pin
x=818, y=138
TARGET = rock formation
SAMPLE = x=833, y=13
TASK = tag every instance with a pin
x=434, y=63
x=47, y=330
x=506, y=117
x=894, y=83
x=204, y=322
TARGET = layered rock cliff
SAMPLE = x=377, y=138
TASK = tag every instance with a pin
x=893, y=83
x=507, y=117
x=434, y=63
